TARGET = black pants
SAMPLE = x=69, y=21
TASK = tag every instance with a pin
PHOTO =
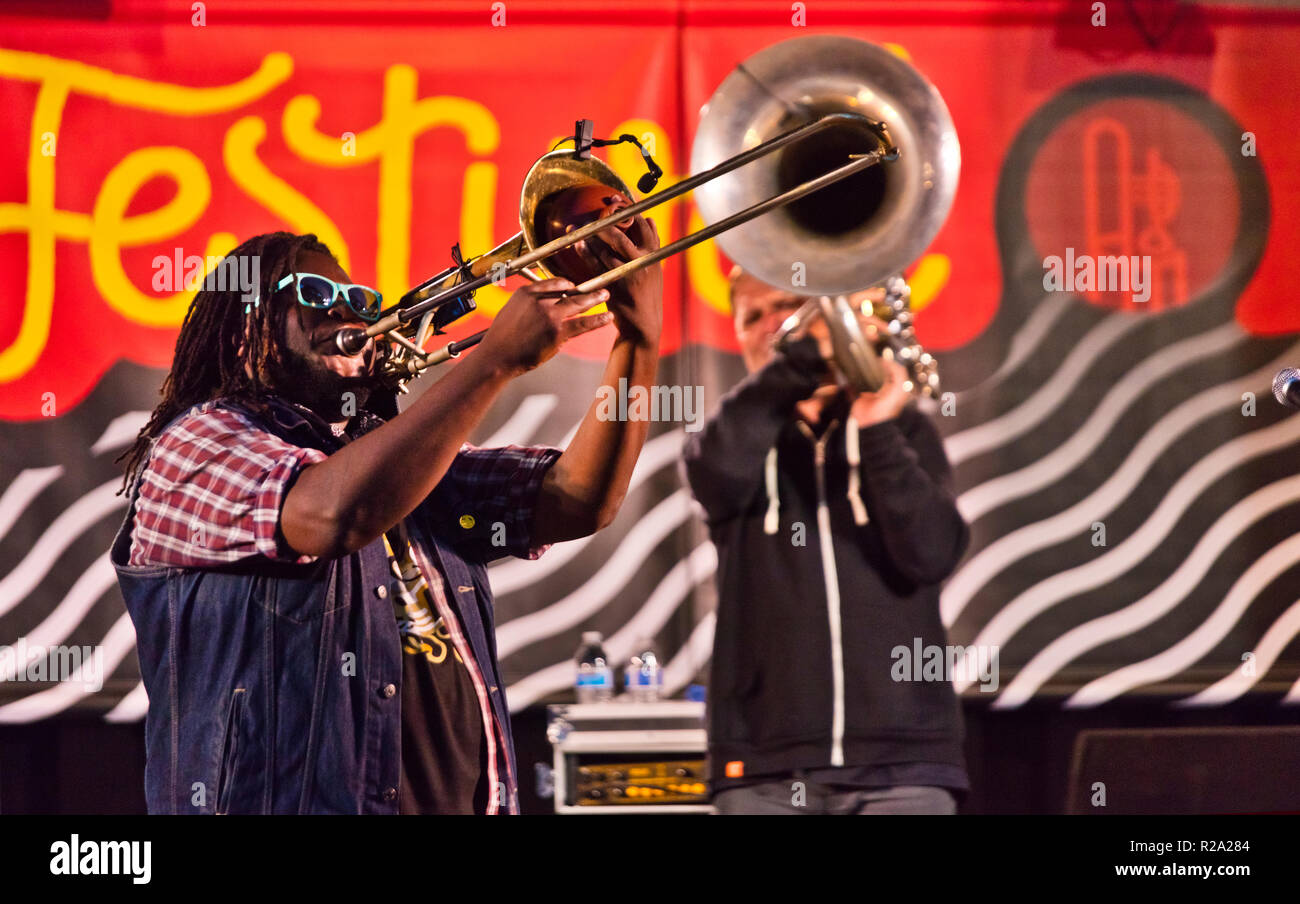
x=798, y=796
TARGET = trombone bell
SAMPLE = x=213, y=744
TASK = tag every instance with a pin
x=562, y=192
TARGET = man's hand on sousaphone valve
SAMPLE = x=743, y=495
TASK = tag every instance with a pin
x=889, y=400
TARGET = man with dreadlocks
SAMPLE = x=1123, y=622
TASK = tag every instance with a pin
x=306, y=568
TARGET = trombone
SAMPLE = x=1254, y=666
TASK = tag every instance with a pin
x=833, y=106
x=430, y=296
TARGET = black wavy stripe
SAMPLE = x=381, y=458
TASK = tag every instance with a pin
x=1278, y=595
x=1109, y=370
x=1190, y=612
x=637, y=586
x=1126, y=518
x=573, y=383
x=1121, y=438
x=66, y=440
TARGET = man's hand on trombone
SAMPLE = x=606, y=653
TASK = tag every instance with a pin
x=636, y=300
x=536, y=320
x=583, y=491
x=542, y=316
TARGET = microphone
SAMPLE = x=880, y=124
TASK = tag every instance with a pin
x=1286, y=387
x=648, y=181
x=351, y=342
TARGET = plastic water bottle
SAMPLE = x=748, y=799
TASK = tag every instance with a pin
x=644, y=676
x=593, y=678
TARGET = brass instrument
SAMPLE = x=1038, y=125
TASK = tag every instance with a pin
x=860, y=235
x=823, y=101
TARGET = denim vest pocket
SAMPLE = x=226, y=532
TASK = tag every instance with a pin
x=299, y=594
x=230, y=750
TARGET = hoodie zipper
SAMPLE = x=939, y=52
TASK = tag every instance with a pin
x=831, y=577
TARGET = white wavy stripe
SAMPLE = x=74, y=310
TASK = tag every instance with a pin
x=663, y=601
x=568, y=437
x=1293, y=695
x=521, y=426
x=1135, y=616
x=122, y=430
x=131, y=708
x=1023, y=541
x=693, y=655
x=22, y=490
x=1030, y=335
x=510, y=575
x=94, y=582
x=119, y=641
x=1237, y=682
x=1187, y=651
x=71, y=523
x=602, y=586
x=981, y=499
x=1000, y=431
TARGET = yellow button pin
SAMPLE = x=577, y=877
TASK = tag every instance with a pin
x=467, y=521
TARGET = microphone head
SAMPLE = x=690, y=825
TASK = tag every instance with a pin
x=647, y=183
x=1282, y=385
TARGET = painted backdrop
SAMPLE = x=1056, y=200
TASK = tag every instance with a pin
x=1130, y=482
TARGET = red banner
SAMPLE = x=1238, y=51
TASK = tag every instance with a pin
x=168, y=129
x=148, y=139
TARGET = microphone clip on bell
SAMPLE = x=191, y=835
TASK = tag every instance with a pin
x=582, y=138
x=583, y=142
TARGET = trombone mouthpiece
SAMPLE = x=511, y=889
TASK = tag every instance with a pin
x=351, y=342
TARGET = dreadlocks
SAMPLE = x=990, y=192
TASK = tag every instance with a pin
x=209, y=362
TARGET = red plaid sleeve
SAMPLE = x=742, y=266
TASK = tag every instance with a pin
x=213, y=491
x=487, y=500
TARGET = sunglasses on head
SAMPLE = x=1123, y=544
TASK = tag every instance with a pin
x=318, y=292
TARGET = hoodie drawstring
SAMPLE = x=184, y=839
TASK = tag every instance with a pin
x=854, y=456
x=772, y=520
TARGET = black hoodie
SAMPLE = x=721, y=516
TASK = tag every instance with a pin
x=801, y=679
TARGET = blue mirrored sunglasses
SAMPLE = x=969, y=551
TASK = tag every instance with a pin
x=318, y=292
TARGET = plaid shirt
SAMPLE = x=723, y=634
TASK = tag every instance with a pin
x=215, y=485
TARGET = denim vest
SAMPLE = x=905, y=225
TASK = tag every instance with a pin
x=276, y=687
